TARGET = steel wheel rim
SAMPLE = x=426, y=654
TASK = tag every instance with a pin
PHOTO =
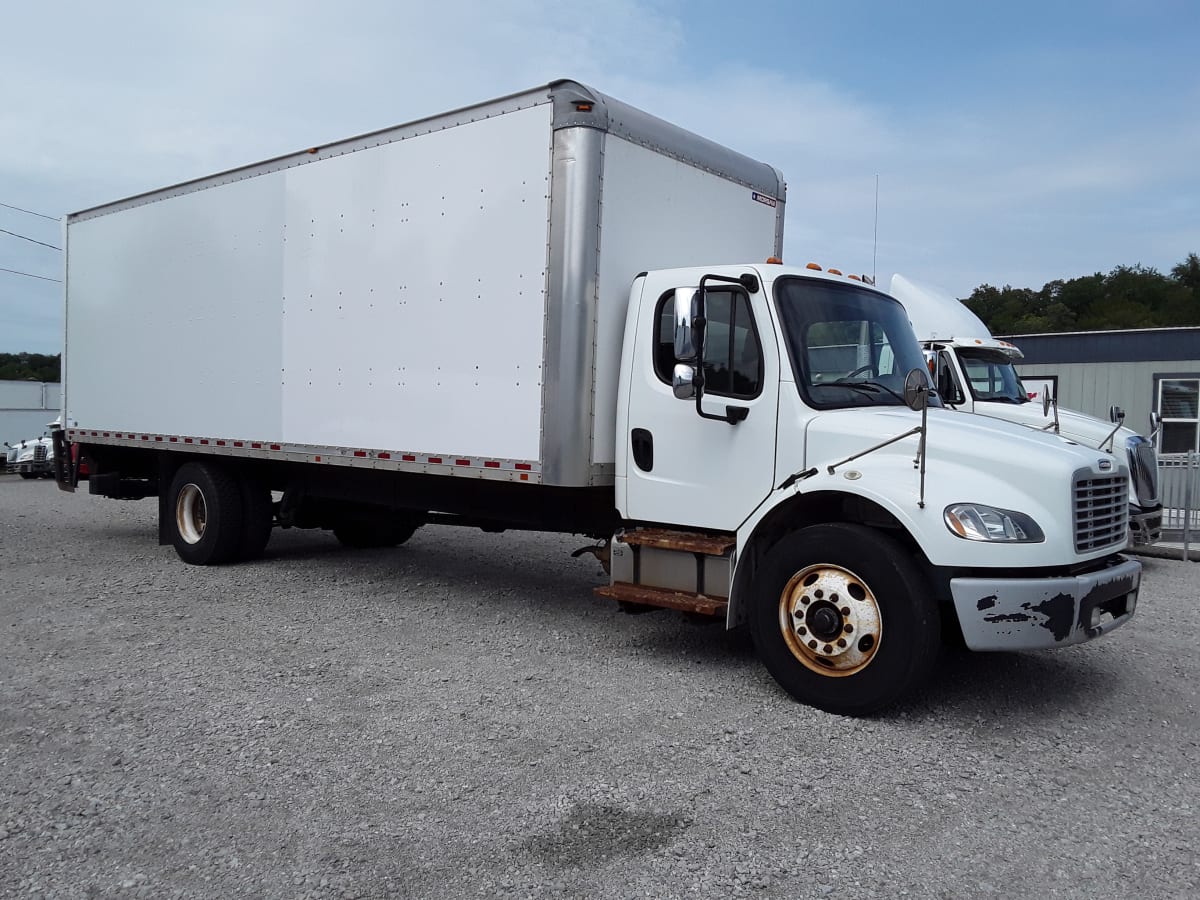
x=191, y=514
x=830, y=620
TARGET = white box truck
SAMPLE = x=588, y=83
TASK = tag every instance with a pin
x=531, y=314
x=974, y=372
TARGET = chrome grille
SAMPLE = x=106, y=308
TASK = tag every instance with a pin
x=39, y=453
x=1101, y=511
x=1143, y=469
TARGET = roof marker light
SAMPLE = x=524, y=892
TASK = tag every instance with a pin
x=814, y=267
x=854, y=278
x=774, y=261
x=834, y=271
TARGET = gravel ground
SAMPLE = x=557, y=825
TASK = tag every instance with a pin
x=460, y=717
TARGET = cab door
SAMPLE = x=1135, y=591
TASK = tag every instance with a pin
x=689, y=471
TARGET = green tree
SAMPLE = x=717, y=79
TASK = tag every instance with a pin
x=1127, y=297
x=29, y=367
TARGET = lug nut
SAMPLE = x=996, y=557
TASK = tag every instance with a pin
x=841, y=642
x=849, y=628
x=845, y=610
x=812, y=645
x=828, y=648
x=801, y=631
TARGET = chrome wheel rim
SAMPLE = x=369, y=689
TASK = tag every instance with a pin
x=191, y=514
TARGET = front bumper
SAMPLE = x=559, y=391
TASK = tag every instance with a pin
x=1045, y=613
x=1145, y=528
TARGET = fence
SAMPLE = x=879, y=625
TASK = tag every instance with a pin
x=1179, y=490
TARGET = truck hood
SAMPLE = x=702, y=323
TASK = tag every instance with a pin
x=993, y=445
x=25, y=451
x=1075, y=426
x=969, y=459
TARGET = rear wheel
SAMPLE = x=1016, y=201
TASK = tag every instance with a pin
x=205, y=508
x=844, y=620
x=257, y=517
x=365, y=534
x=29, y=475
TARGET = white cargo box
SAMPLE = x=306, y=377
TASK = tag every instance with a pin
x=443, y=296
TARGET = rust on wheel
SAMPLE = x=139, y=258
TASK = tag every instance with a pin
x=830, y=620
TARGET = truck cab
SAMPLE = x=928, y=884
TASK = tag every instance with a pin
x=782, y=451
x=975, y=373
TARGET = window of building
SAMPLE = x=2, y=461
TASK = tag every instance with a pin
x=733, y=361
x=1177, y=404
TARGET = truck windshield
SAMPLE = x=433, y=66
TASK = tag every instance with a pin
x=991, y=377
x=849, y=346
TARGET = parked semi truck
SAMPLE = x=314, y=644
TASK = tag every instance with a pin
x=33, y=458
x=530, y=314
x=975, y=373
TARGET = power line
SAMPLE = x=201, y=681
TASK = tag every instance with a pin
x=30, y=212
x=27, y=275
x=31, y=240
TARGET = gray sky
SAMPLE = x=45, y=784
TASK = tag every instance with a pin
x=1013, y=145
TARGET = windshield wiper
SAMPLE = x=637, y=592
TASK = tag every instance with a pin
x=867, y=387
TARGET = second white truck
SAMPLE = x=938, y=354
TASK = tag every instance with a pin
x=975, y=373
x=555, y=312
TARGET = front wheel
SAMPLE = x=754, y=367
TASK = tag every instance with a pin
x=843, y=618
x=205, y=509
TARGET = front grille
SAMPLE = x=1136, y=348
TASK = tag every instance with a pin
x=1143, y=469
x=1101, y=511
x=39, y=453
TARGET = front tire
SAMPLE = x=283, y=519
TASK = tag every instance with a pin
x=844, y=619
x=205, y=510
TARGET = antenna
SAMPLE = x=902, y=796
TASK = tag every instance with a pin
x=875, y=248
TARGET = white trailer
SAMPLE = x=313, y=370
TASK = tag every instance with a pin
x=531, y=314
x=974, y=372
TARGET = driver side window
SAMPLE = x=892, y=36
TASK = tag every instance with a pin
x=733, y=359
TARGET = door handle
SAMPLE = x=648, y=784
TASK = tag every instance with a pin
x=642, y=443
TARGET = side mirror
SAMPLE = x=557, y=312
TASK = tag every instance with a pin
x=1046, y=400
x=1116, y=415
x=916, y=389
x=683, y=381
x=689, y=325
x=1155, y=423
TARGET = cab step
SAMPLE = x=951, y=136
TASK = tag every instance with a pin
x=666, y=598
x=683, y=541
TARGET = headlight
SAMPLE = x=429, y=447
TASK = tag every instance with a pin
x=976, y=522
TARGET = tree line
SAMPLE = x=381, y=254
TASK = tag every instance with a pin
x=1127, y=297
x=30, y=367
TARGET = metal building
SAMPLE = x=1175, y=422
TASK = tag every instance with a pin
x=26, y=409
x=1142, y=371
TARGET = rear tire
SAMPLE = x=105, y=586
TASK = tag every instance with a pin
x=364, y=535
x=258, y=517
x=204, y=507
x=844, y=619
x=29, y=476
